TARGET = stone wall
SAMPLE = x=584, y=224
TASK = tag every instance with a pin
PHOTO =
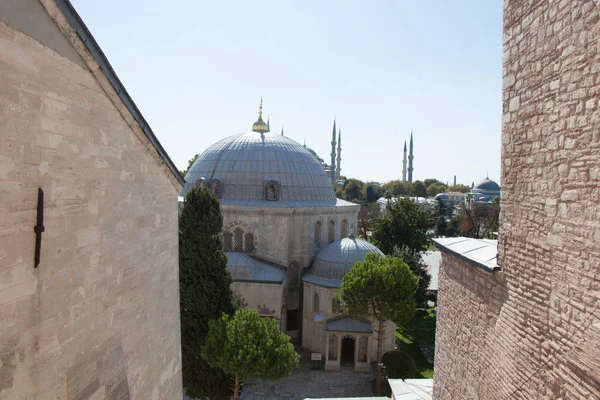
x=542, y=342
x=99, y=317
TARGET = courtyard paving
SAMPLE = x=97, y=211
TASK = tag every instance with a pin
x=306, y=383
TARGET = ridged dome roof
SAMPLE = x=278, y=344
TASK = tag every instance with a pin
x=335, y=260
x=244, y=164
x=487, y=185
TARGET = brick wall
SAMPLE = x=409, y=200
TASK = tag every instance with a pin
x=99, y=318
x=542, y=342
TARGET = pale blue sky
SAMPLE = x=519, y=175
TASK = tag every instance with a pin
x=197, y=70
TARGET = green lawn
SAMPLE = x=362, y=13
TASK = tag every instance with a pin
x=421, y=330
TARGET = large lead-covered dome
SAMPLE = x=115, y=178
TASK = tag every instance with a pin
x=335, y=260
x=261, y=169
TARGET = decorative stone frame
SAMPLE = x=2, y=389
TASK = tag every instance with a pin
x=272, y=191
x=345, y=231
x=318, y=233
x=201, y=182
x=334, y=364
x=246, y=234
x=216, y=188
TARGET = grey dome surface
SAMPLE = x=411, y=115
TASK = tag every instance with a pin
x=487, y=185
x=335, y=260
x=245, y=163
x=246, y=269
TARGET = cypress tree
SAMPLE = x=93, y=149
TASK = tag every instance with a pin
x=205, y=291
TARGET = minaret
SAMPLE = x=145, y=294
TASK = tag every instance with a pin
x=282, y=131
x=332, y=165
x=410, y=158
x=338, y=168
x=404, y=163
x=269, y=124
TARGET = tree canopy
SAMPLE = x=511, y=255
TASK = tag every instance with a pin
x=404, y=223
x=191, y=162
x=382, y=288
x=417, y=266
x=248, y=346
x=205, y=291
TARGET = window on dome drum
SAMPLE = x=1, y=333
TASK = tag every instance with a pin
x=331, y=232
x=215, y=187
x=333, y=347
x=238, y=236
x=363, y=344
x=336, y=306
x=200, y=182
x=248, y=243
x=318, y=233
x=316, y=302
x=344, y=228
x=227, y=241
x=272, y=191
x=293, y=274
x=293, y=319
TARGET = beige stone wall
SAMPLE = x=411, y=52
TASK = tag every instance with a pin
x=541, y=341
x=99, y=318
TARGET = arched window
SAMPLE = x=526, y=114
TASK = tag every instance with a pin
x=200, y=182
x=238, y=242
x=248, y=243
x=344, y=228
x=227, y=241
x=333, y=347
x=336, y=306
x=331, y=231
x=215, y=187
x=316, y=302
x=318, y=233
x=272, y=191
x=294, y=274
x=363, y=344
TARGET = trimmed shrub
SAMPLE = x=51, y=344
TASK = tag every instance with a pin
x=400, y=365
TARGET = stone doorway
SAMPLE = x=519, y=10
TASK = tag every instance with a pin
x=348, y=345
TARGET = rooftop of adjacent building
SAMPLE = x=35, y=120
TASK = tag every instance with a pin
x=481, y=253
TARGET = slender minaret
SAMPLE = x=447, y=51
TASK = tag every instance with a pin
x=332, y=166
x=269, y=124
x=404, y=163
x=338, y=167
x=282, y=131
x=410, y=158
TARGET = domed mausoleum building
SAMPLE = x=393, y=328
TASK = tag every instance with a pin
x=279, y=211
x=485, y=191
x=325, y=329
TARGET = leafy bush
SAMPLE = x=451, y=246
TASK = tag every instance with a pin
x=400, y=365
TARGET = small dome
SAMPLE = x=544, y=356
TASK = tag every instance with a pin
x=335, y=260
x=487, y=185
x=441, y=196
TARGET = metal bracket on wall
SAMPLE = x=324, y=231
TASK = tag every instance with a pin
x=39, y=227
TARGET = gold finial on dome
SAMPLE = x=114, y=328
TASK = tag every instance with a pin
x=259, y=125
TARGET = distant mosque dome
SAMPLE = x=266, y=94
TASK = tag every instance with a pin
x=334, y=261
x=486, y=185
x=441, y=196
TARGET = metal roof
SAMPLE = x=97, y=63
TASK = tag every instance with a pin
x=335, y=260
x=432, y=260
x=478, y=252
x=244, y=268
x=245, y=163
x=411, y=389
x=347, y=324
x=96, y=52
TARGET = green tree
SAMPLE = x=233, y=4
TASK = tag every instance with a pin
x=191, y=162
x=382, y=288
x=441, y=225
x=404, y=223
x=248, y=347
x=459, y=188
x=419, y=189
x=430, y=181
x=398, y=188
x=354, y=189
x=435, y=188
x=372, y=192
x=417, y=266
x=205, y=293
